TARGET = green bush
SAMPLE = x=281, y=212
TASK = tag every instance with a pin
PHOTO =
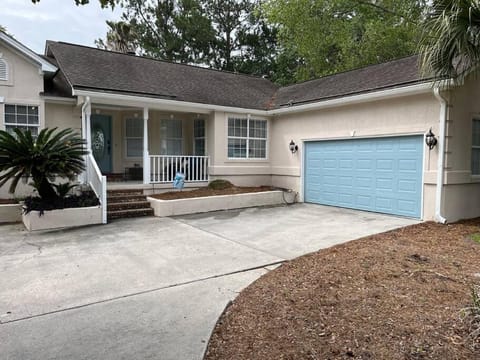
x=220, y=184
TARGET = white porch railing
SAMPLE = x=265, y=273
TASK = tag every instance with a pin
x=164, y=167
x=98, y=183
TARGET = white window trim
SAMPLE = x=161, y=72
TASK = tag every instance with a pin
x=247, y=138
x=472, y=147
x=5, y=124
x=164, y=137
x=204, y=137
x=125, y=142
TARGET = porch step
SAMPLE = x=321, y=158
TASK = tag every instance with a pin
x=129, y=213
x=127, y=203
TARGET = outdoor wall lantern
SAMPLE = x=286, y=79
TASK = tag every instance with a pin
x=293, y=147
x=430, y=139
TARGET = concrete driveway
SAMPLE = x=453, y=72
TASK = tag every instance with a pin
x=150, y=288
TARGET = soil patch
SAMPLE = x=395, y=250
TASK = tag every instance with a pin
x=396, y=295
x=203, y=192
x=8, y=201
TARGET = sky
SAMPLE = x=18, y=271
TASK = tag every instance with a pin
x=59, y=20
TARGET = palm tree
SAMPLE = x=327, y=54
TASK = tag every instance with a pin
x=52, y=153
x=120, y=37
x=450, y=46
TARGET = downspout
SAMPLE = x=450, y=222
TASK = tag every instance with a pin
x=441, y=156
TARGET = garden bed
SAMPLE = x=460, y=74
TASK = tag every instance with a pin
x=10, y=211
x=207, y=191
x=396, y=295
x=208, y=199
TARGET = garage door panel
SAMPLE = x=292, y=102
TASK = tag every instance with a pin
x=383, y=174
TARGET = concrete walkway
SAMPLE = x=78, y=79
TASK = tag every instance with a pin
x=150, y=288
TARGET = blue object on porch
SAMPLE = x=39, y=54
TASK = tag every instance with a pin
x=179, y=181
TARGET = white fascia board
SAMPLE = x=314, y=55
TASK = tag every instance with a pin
x=162, y=104
x=44, y=64
x=58, y=100
x=356, y=99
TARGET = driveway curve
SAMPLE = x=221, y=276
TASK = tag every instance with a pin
x=151, y=288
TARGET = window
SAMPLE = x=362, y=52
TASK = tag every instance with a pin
x=24, y=117
x=476, y=147
x=134, y=137
x=247, y=138
x=199, y=137
x=171, y=138
x=3, y=69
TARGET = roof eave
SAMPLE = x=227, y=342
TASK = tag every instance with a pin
x=383, y=94
x=164, y=104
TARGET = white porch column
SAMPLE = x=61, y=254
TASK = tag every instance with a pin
x=86, y=131
x=146, y=155
x=88, y=124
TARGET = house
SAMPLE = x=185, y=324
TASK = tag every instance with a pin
x=357, y=138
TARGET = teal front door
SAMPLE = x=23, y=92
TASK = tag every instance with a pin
x=102, y=141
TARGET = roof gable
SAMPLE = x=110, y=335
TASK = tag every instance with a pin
x=44, y=65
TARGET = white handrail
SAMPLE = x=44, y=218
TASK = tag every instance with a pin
x=164, y=167
x=98, y=183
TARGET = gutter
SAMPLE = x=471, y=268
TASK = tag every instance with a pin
x=441, y=156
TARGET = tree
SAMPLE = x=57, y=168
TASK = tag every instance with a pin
x=223, y=34
x=331, y=36
x=52, y=153
x=450, y=46
x=120, y=37
x=103, y=3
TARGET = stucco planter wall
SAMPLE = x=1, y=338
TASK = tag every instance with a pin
x=214, y=203
x=56, y=219
x=10, y=213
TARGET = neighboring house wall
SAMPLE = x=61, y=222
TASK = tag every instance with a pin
x=23, y=87
x=401, y=116
x=462, y=189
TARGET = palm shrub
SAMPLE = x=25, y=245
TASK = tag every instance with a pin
x=52, y=153
x=450, y=45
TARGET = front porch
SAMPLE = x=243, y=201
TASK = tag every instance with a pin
x=147, y=146
x=140, y=150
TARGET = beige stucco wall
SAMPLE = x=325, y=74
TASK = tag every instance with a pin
x=24, y=85
x=22, y=88
x=462, y=190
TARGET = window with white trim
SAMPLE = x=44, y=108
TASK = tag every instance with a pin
x=3, y=69
x=171, y=137
x=476, y=147
x=199, y=137
x=133, y=138
x=247, y=138
x=23, y=117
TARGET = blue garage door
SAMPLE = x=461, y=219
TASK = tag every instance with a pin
x=382, y=174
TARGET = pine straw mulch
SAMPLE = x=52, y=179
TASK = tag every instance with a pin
x=396, y=295
x=203, y=192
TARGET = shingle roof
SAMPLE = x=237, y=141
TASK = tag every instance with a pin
x=387, y=75
x=89, y=68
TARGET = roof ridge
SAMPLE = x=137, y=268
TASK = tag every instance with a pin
x=143, y=57
x=351, y=70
